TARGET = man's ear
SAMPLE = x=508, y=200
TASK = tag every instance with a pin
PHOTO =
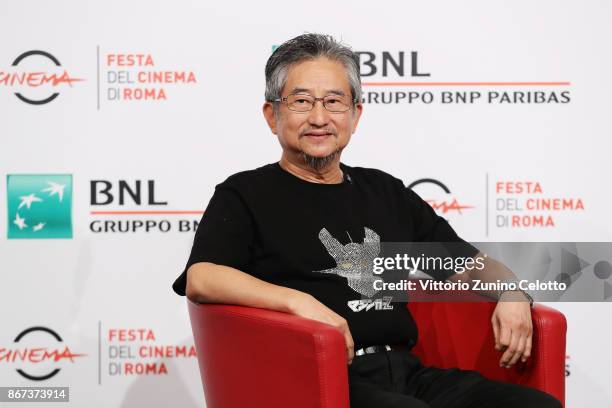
x=268, y=111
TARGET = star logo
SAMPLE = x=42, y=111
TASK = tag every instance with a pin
x=28, y=200
x=39, y=206
x=19, y=222
x=55, y=189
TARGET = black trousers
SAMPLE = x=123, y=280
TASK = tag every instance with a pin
x=394, y=379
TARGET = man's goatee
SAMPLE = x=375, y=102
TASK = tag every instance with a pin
x=319, y=163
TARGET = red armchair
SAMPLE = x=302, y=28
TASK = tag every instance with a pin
x=260, y=358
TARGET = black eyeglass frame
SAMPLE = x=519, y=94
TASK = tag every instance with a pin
x=285, y=100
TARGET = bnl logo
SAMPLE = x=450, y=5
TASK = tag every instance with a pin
x=39, y=206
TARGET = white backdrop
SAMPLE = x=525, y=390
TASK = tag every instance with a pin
x=96, y=290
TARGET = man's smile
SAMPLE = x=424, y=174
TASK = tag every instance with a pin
x=317, y=134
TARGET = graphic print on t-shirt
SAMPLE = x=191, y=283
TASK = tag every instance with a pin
x=354, y=261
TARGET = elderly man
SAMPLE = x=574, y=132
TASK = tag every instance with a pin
x=294, y=236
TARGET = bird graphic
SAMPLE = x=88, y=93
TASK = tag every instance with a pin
x=354, y=261
x=28, y=200
x=55, y=188
x=38, y=226
x=19, y=222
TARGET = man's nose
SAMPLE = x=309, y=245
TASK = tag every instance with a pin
x=318, y=116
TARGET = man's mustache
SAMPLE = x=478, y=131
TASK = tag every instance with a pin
x=319, y=131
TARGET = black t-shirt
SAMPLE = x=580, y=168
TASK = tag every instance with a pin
x=317, y=238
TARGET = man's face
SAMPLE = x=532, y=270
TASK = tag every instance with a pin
x=317, y=133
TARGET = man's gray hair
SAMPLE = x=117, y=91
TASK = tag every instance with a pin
x=308, y=47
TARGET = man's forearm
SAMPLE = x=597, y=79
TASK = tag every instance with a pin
x=212, y=283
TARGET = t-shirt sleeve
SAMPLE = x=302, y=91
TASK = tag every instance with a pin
x=430, y=227
x=224, y=235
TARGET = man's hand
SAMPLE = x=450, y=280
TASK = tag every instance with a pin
x=305, y=305
x=512, y=328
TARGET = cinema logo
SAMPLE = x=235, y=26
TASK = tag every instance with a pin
x=440, y=197
x=524, y=204
x=37, y=77
x=39, y=352
x=138, y=77
x=135, y=206
x=135, y=352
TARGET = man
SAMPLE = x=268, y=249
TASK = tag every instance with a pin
x=294, y=236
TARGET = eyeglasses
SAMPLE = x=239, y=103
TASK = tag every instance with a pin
x=305, y=102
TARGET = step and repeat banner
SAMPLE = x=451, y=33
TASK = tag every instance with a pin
x=119, y=118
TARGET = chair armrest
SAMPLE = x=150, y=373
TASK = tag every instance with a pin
x=547, y=365
x=251, y=357
x=461, y=335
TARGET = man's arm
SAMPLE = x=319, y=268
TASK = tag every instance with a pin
x=511, y=320
x=211, y=283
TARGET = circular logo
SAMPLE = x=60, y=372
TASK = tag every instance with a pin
x=37, y=79
x=37, y=355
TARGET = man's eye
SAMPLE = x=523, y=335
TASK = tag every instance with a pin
x=301, y=101
x=332, y=101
